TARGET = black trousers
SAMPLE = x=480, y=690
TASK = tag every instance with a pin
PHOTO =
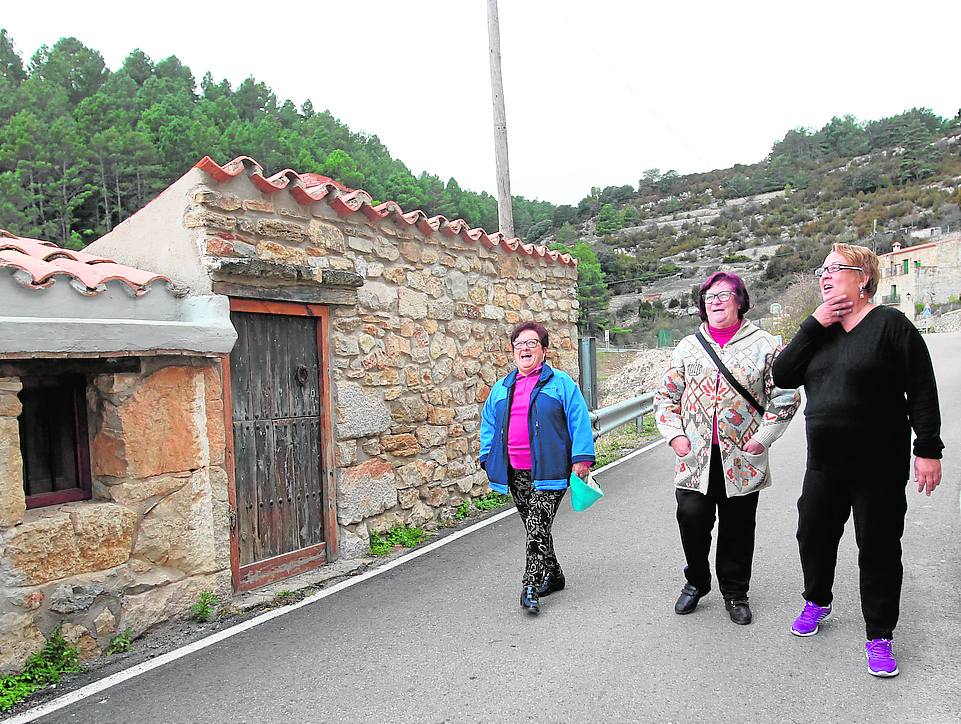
x=537, y=509
x=879, y=505
x=737, y=518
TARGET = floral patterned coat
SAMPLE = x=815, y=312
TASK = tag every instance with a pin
x=693, y=392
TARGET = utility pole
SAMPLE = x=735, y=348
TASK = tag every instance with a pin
x=505, y=214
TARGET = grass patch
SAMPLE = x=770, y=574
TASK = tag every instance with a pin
x=120, y=644
x=618, y=443
x=463, y=510
x=43, y=669
x=491, y=501
x=383, y=543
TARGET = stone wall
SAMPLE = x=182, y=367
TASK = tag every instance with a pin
x=154, y=534
x=413, y=358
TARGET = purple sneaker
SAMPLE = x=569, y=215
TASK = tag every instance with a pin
x=807, y=623
x=881, y=661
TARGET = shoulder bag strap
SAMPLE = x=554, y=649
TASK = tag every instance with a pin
x=722, y=368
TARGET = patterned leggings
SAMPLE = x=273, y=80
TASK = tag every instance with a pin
x=537, y=509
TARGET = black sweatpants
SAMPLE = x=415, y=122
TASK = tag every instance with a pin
x=737, y=518
x=537, y=509
x=879, y=506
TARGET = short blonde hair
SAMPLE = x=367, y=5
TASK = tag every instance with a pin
x=866, y=259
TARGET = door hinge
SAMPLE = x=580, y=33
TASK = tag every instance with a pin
x=232, y=519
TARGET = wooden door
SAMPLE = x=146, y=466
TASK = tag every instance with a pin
x=283, y=509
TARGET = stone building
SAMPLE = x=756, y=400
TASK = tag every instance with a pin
x=113, y=494
x=368, y=341
x=928, y=273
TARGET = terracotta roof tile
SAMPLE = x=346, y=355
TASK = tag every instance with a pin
x=311, y=188
x=41, y=262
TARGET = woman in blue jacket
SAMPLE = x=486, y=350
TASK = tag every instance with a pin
x=535, y=429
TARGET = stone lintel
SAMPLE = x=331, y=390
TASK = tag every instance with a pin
x=260, y=269
x=302, y=293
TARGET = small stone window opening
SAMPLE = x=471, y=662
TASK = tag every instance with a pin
x=53, y=440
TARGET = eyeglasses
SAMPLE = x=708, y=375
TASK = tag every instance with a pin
x=834, y=269
x=528, y=343
x=719, y=296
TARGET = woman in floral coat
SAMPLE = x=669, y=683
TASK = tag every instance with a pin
x=721, y=439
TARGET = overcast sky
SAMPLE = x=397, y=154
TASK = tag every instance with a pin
x=596, y=91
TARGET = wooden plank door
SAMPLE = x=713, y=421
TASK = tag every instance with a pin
x=282, y=506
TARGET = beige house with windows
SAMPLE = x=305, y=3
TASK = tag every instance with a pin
x=928, y=273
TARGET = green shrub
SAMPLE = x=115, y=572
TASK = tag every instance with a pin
x=491, y=501
x=204, y=608
x=44, y=668
x=120, y=644
x=463, y=510
x=407, y=536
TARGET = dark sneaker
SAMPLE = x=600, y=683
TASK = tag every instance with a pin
x=529, y=600
x=881, y=661
x=739, y=610
x=688, y=599
x=807, y=623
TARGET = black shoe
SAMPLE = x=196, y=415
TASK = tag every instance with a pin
x=552, y=583
x=740, y=610
x=688, y=599
x=529, y=599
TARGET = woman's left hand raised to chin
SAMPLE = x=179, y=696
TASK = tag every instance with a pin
x=927, y=474
x=582, y=470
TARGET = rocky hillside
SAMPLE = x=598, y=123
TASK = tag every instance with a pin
x=897, y=179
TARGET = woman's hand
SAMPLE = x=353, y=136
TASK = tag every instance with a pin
x=681, y=445
x=927, y=474
x=582, y=470
x=753, y=447
x=833, y=309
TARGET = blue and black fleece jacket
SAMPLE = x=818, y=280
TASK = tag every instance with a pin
x=558, y=422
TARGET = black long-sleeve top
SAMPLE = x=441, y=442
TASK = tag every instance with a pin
x=865, y=390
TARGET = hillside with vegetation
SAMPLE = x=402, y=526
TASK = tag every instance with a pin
x=644, y=249
x=83, y=147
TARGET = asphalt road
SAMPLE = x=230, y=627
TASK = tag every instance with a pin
x=443, y=639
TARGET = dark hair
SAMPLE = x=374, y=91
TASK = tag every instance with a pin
x=524, y=326
x=740, y=293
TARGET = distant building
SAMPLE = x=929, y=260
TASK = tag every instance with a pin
x=923, y=274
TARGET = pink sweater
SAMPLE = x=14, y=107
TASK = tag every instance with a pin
x=722, y=337
x=518, y=436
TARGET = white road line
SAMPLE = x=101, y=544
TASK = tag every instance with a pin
x=142, y=668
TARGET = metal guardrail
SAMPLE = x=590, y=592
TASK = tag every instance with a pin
x=613, y=416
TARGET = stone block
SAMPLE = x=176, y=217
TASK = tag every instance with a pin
x=289, y=231
x=76, y=539
x=178, y=532
x=141, y=611
x=411, y=303
x=258, y=205
x=359, y=414
x=10, y=405
x=326, y=235
x=74, y=597
x=358, y=243
x=365, y=490
x=408, y=497
x=402, y=445
x=442, y=309
x=440, y=415
x=353, y=543
x=162, y=428
x=203, y=218
x=19, y=638
x=469, y=311
x=131, y=493
x=346, y=453
x=376, y=297
x=416, y=473
x=13, y=504
x=105, y=623
x=432, y=435
x=386, y=250
x=408, y=410
x=282, y=253
x=457, y=448
x=80, y=637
